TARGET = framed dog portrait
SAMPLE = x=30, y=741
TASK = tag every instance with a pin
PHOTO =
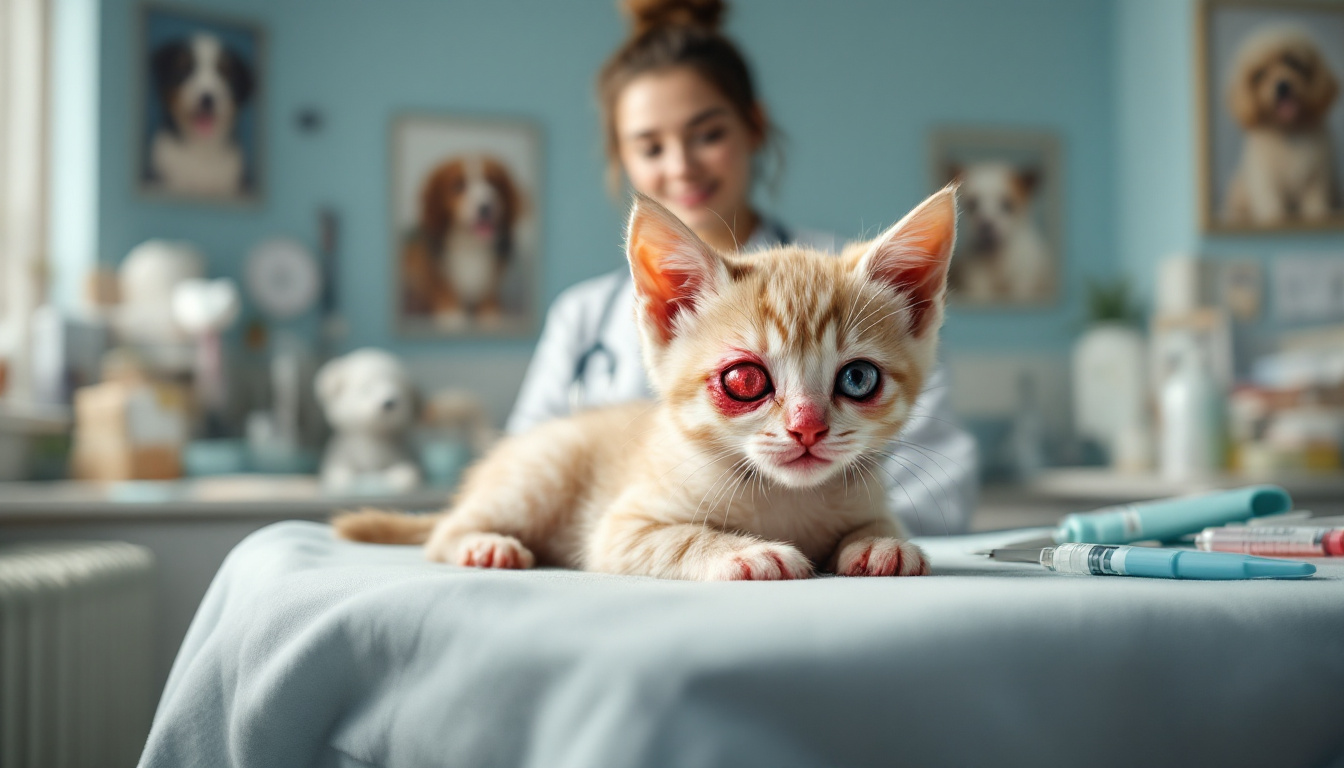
x=1009, y=244
x=1271, y=118
x=465, y=212
x=201, y=123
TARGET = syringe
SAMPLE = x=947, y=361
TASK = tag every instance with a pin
x=1273, y=541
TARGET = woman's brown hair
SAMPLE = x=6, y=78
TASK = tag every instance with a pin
x=679, y=33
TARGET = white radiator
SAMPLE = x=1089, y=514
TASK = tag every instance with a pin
x=76, y=654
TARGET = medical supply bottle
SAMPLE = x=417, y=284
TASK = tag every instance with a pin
x=1191, y=407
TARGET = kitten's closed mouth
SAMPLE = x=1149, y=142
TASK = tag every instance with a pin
x=807, y=460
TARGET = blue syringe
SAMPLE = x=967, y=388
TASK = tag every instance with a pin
x=1155, y=562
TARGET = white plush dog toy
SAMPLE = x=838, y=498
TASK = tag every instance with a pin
x=371, y=404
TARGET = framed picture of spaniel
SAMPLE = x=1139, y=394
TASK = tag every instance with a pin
x=201, y=78
x=1271, y=116
x=465, y=196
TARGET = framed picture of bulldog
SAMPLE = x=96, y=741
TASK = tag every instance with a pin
x=1009, y=244
x=465, y=212
x=1271, y=117
x=201, y=78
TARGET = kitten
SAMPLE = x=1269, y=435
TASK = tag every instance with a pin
x=781, y=377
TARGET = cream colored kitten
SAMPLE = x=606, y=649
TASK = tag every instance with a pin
x=781, y=378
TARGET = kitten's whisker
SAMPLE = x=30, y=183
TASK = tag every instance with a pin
x=867, y=316
x=727, y=508
x=731, y=232
x=870, y=464
x=860, y=466
x=718, y=452
x=696, y=513
x=924, y=448
x=911, y=460
x=715, y=457
x=910, y=466
x=931, y=417
x=723, y=477
x=855, y=317
x=731, y=483
x=854, y=306
x=637, y=417
x=731, y=476
x=694, y=472
x=717, y=480
x=881, y=319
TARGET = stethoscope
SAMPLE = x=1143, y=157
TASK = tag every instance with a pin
x=776, y=235
x=597, y=349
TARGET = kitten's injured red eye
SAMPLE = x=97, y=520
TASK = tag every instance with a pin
x=746, y=382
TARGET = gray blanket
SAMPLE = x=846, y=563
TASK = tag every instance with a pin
x=309, y=651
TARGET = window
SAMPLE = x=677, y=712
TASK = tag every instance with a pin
x=24, y=26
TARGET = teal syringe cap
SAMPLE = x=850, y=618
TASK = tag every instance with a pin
x=1167, y=519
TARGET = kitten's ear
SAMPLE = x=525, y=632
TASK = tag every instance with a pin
x=673, y=269
x=913, y=255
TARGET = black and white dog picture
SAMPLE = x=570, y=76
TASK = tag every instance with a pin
x=202, y=127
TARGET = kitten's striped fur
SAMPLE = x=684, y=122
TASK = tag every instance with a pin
x=701, y=485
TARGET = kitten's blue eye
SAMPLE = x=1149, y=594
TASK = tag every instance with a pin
x=857, y=380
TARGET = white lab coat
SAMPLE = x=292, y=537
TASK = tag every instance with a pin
x=931, y=479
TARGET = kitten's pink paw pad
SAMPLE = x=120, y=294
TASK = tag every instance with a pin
x=882, y=557
x=492, y=550
x=761, y=562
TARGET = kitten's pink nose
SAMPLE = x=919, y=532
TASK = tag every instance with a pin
x=807, y=426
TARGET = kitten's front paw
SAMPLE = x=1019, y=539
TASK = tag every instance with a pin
x=762, y=561
x=882, y=557
x=485, y=550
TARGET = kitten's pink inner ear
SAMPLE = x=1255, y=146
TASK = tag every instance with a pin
x=912, y=257
x=672, y=267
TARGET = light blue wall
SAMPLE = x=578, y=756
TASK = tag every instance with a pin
x=860, y=85
x=857, y=86
x=1157, y=160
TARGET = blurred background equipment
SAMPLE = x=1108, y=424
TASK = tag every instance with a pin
x=143, y=319
x=205, y=309
x=1110, y=395
x=283, y=278
x=130, y=429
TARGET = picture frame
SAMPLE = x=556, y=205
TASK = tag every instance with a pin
x=465, y=209
x=1010, y=246
x=1267, y=115
x=201, y=84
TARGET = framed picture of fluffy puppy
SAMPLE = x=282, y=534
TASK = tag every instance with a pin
x=464, y=215
x=1271, y=117
x=1009, y=245
x=200, y=81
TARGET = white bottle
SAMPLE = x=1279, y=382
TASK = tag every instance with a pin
x=1191, y=405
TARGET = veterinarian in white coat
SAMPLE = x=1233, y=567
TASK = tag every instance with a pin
x=684, y=127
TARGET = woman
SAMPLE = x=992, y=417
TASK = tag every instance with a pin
x=684, y=127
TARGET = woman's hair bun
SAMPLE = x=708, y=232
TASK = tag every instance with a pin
x=650, y=14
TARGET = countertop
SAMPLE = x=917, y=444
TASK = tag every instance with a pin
x=227, y=496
